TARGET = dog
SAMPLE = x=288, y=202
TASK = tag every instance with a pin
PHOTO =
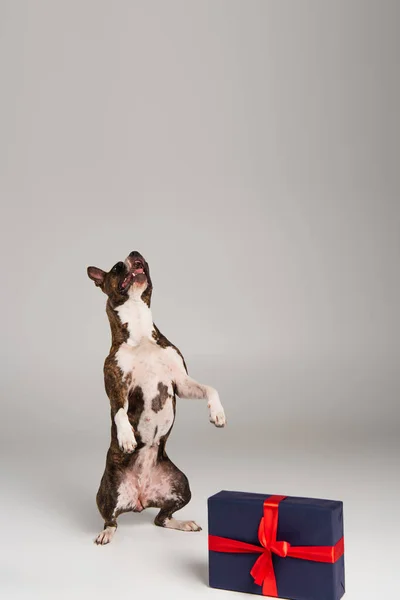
x=143, y=374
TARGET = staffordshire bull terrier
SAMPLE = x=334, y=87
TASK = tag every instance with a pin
x=143, y=374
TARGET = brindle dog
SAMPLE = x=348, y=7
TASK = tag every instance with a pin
x=143, y=374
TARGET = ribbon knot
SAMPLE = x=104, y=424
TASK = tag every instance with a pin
x=263, y=569
x=280, y=548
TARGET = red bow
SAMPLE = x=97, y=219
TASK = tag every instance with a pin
x=263, y=569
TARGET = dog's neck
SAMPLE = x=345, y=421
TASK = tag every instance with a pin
x=131, y=322
x=137, y=316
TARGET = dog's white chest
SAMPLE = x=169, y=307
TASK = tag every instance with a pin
x=147, y=364
x=150, y=368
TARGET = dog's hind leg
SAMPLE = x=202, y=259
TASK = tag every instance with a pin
x=173, y=494
x=118, y=493
x=107, y=509
x=107, y=503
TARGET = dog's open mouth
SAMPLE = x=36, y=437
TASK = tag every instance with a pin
x=125, y=283
x=135, y=273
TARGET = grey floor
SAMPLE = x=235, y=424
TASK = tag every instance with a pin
x=52, y=471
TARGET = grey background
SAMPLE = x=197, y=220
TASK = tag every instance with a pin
x=249, y=149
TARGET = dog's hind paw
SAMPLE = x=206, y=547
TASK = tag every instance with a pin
x=181, y=525
x=105, y=536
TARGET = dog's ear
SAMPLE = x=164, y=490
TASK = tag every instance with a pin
x=96, y=275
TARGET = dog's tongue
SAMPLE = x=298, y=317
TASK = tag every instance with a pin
x=126, y=281
x=137, y=271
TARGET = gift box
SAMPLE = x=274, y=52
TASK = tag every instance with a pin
x=276, y=546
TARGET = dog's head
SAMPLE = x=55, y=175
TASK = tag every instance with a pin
x=128, y=279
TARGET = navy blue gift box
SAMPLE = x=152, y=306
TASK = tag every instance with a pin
x=303, y=527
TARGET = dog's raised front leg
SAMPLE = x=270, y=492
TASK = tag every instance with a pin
x=186, y=387
x=117, y=391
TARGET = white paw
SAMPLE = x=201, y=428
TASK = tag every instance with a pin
x=105, y=536
x=126, y=440
x=125, y=435
x=182, y=525
x=217, y=415
x=190, y=526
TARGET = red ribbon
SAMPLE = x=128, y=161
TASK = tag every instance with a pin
x=263, y=569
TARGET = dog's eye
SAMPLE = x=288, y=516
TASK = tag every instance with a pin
x=118, y=267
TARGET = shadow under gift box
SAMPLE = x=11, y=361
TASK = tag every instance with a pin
x=301, y=522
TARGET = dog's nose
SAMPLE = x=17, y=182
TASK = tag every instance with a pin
x=135, y=255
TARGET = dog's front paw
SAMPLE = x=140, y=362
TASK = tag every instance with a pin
x=126, y=440
x=217, y=415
